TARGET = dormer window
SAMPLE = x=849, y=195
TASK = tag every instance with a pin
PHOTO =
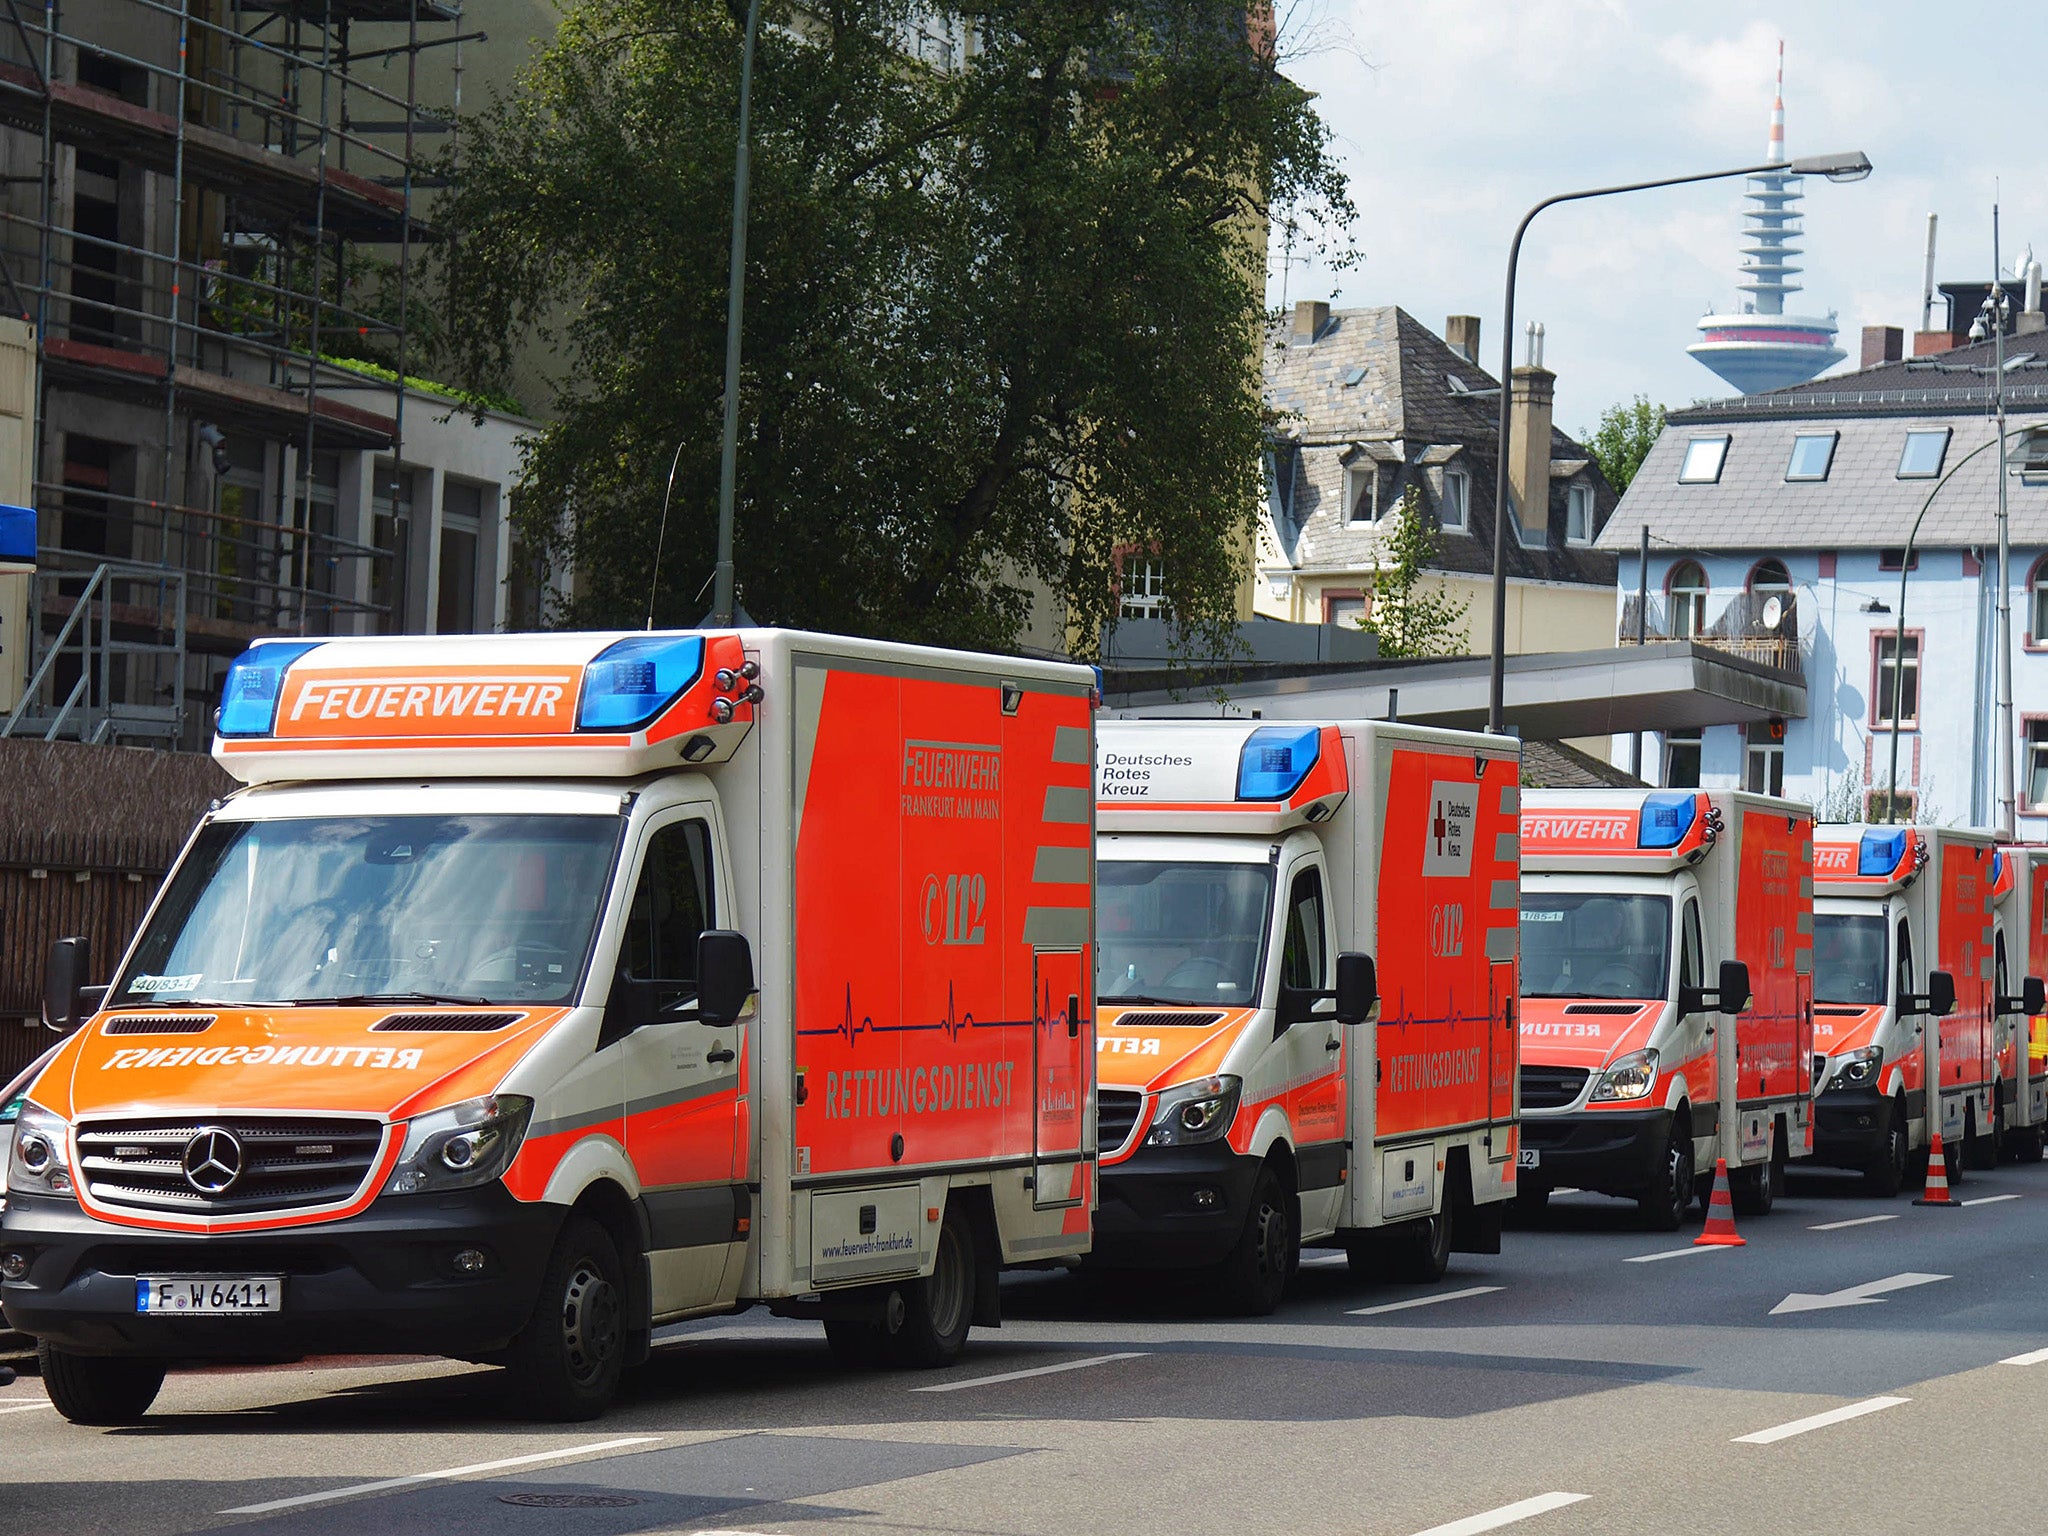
x=1578, y=514
x=1454, y=513
x=1361, y=492
x=1703, y=458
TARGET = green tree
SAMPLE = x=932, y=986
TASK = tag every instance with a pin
x=1624, y=438
x=1412, y=613
x=1002, y=321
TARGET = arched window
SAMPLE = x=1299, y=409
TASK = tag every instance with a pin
x=1688, y=588
x=2037, y=603
x=1769, y=576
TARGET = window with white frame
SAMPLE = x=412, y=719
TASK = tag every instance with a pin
x=1682, y=760
x=1920, y=458
x=1144, y=594
x=1813, y=453
x=1763, y=765
x=1703, y=458
x=1689, y=590
x=1578, y=514
x=2037, y=604
x=1361, y=492
x=2037, y=765
x=1454, y=513
x=1893, y=673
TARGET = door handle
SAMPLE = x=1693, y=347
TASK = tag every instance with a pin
x=718, y=1053
x=1333, y=1045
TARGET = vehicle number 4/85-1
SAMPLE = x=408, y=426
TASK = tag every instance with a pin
x=209, y=1295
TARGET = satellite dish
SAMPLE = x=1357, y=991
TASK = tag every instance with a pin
x=1774, y=610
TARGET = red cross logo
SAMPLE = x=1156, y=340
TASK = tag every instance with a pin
x=1438, y=829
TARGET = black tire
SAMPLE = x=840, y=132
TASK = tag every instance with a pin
x=1956, y=1155
x=1254, y=1277
x=1419, y=1251
x=99, y=1389
x=1754, y=1190
x=2026, y=1143
x=565, y=1364
x=1981, y=1150
x=1885, y=1175
x=854, y=1343
x=938, y=1308
x=1663, y=1206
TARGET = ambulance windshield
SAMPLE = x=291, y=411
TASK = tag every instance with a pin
x=1595, y=944
x=1180, y=933
x=469, y=909
x=1848, y=958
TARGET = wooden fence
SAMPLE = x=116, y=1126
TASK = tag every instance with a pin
x=86, y=836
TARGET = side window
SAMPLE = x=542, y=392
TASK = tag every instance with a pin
x=671, y=906
x=1302, y=959
x=1905, y=981
x=1692, y=949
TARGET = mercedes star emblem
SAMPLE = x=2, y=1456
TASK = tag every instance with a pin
x=213, y=1160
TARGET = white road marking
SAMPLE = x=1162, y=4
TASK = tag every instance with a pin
x=1424, y=1301
x=2031, y=1357
x=1036, y=1370
x=1855, y=1221
x=1674, y=1253
x=21, y=1407
x=1864, y=1295
x=1326, y=1260
x=1819, y=1421
x=596, y=1447
x=1566, y=1189
x=1507, y=1514
x=1990, y=1199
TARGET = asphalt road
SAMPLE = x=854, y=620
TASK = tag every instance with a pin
x=1577, y=1383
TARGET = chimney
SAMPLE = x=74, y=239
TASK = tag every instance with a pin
x=2031, y=319
x=1529, y=397
x=1461, y=334
x=1933, y=343
x=1310, y=316
x=1882, y=344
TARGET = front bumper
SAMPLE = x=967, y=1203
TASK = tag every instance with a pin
x=382, y=1282
x=1849, y=1126
x=1614, y=1152
x=1149, y=1217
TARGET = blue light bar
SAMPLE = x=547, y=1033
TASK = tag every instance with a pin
x=1880, y=852
x=631, y=681
x=1666, y=819
x=253, y=685
x=1275, y=759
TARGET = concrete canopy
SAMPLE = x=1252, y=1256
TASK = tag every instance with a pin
x=1550, y=696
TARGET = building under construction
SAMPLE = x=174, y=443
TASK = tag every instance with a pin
x=212, y=217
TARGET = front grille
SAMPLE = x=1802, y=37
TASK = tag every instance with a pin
x=1165, y=1020
x=150, y=1024
x=140, y=1163
x=1116, y=1117
x=1612, y=1010
x=1839, y=1013
x=1551, y=1087
x=445, y=1023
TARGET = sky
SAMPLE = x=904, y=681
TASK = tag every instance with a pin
x=1452, y=117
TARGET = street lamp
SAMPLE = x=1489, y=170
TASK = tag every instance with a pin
x=2028, y=439
x=1851, y=166
x=735, y=293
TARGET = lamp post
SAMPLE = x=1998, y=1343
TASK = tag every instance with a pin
x=735, y=293
x=1997, y=312
x=1853, y=166
x=2032, y=435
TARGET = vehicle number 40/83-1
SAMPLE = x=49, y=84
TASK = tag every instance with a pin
x=209, y=1295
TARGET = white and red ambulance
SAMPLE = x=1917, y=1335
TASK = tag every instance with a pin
x=1667, y=994
x=540, y=990
x=2021, y=901
x=1907, y=928
x=1252, y=1098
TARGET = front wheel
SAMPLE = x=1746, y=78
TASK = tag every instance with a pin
x=1662, y=1207
x=99, y=1389
x=1254, y=1277
x=1885, y=1175
x=565, y=1363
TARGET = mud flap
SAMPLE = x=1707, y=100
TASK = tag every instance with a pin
x=1476, y=1228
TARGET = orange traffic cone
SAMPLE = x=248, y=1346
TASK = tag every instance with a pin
x=1937, y=1179
x=1720, y=1232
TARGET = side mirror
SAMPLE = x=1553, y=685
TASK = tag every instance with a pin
x=2033, y=996
x=725, y=975
x=1358, y=988
x=1734, y=991
x=1941, y=994
x=64, y=984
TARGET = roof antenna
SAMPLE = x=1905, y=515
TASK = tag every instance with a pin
x=661, y=531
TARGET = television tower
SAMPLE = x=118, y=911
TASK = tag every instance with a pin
x=1762, y=347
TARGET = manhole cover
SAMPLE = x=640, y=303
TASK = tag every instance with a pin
x=567, y=1500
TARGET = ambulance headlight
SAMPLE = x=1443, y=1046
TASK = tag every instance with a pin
x=38, y=1159
x=462, y=1146
x=1631, y=1077
x=253, y=684
x=1859, y=1068
x=1195, y=1112
x=632, y=680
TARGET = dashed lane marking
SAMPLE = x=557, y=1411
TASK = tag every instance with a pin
x=1036, y=1370
x=594, y=1448
x=1840, y=1415
x=1424, y=1301
x=1507, y=1514
x=1854, y=1221
x=21, y=1407
x=2031, y=1357
x=1990, y=1199
x=1673, y=1253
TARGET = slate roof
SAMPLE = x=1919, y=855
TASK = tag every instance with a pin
x=1863, y=503
x=1406, y=412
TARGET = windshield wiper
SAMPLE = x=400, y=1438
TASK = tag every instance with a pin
x=370, y=999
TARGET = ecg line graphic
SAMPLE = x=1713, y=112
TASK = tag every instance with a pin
x=851, y=1029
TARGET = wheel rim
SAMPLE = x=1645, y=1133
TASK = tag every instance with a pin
x=1272, y=1243
x=946, y=1292
x=1679, y=1160
x=591, y=1324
